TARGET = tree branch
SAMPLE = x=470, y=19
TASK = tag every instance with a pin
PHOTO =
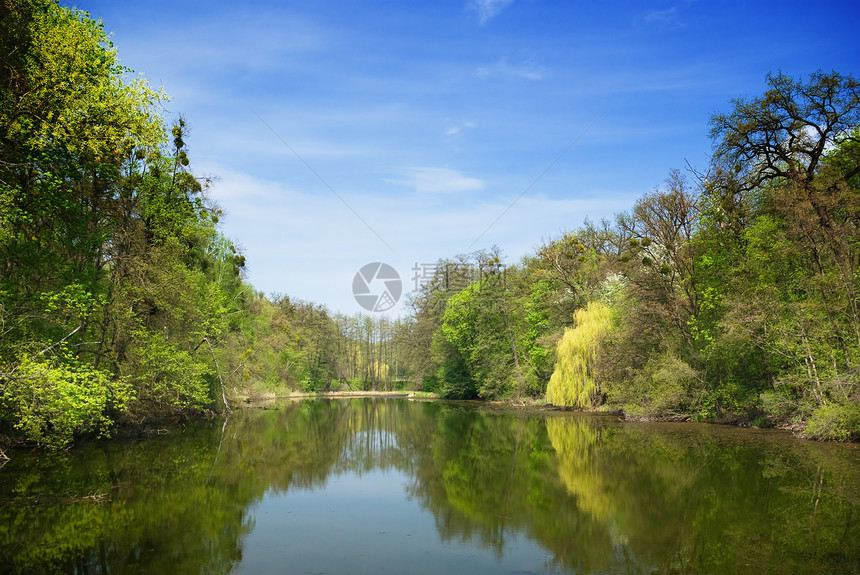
x=221, y=379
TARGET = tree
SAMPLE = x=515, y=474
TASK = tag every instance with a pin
x=660, y=228
x=66, y=115
x=792, y=162
x=573, y=383
x=474, y=324
x=786, y=134
x=114, y=280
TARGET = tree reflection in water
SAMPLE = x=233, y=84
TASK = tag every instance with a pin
x=597, y=495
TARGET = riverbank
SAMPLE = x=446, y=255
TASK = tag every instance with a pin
x=536, y=405
x=530, y=405
x=246, y=399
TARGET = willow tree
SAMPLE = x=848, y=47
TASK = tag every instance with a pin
x=572, y=383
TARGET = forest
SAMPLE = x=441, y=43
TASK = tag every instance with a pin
x=725, y=295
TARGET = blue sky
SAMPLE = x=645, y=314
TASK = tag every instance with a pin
x=348, y=132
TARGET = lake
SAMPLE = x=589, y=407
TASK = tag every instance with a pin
x=400, y=486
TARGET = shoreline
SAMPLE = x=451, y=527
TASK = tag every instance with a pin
x=246, y=399
x=165, y=425
x=526, y=404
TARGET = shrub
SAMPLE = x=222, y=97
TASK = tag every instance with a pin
x=838, y=422
x=53, y=399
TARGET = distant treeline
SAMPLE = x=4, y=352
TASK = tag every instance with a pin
x=725, y=295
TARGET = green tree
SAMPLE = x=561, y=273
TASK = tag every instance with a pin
x=572, y=383
x=660, y=304
x=482, y=323
x=793, y=158
x=115, y=280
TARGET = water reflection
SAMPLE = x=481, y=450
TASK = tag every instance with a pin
x=584, y=494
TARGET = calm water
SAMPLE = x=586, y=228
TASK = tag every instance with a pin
x=395, y=486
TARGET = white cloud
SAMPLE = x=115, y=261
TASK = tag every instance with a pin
x=488, y=9
x=502, y=68
x=433, y=180
x=668, y=18
x=454, y=130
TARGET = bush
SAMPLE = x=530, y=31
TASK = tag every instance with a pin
x=835, y=422
x=51, y=400
x=168, y=379
x=666, y=385
x=673, y=385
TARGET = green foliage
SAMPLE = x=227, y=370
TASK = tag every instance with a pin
x=283, y=345
x=665, y=385
x=573, y=383
x=837, y=422
x=452, y=379
x=168, y=379
x=113, y=267
x=674, y=385
x=743, y=298
x=478, y=324
x=53, y=399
